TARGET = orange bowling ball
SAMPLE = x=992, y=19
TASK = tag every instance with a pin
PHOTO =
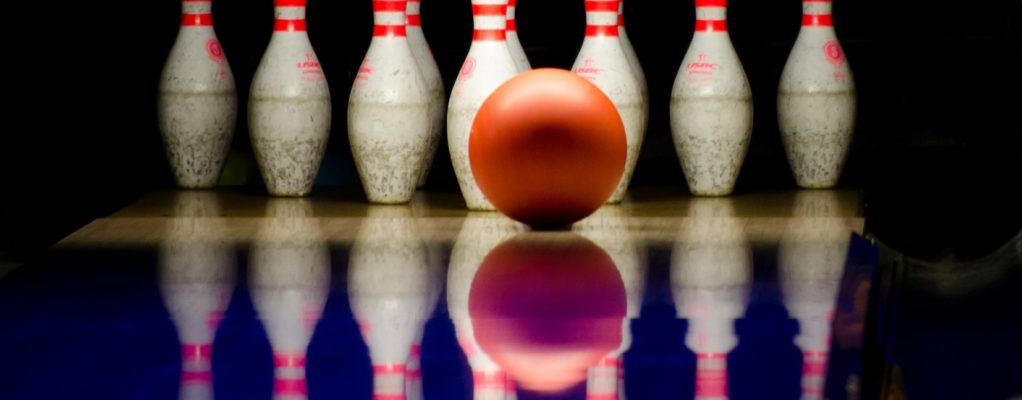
x=547, y=148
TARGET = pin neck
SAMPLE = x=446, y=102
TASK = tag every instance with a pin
x=389, y=17
x=412, y=17
x=195, y=13
x=490, y=22
x=711, y=16
x=602, y=18
x=817, y=13
x=289, y=15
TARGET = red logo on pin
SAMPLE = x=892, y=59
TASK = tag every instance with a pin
x=468, y=68
x=833, y=51
x=215, y=51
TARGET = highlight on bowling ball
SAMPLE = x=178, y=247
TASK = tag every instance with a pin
x=547, y=148
x=546, y=306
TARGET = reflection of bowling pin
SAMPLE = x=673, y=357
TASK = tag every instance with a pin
x=513, y=44
x=479, y=234
x=289, y=107
x=389, y=288
x=608, y=228
x=603, y=62
x=816, y=101
x=289, y=267
x=389, y=111
x=434, y=83
x=488, y=65
x=198, y=106
x=711, y=269
x=811, y=260
x=197, y=277
x=711, y=106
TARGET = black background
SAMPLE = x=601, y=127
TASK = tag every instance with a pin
x=938, y=144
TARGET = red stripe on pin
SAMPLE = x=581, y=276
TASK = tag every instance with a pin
x=711, y=3
x=620, y=20
x=489, y=34
x=511, y=26
x=414, y=20
x=196, y=352
x=389, y=31
x=290, y=387
x=205, y=19
x=705, y=356
x=288, y=360
x=490, y=9
x=817, y=20
x=511, y=3
x=711, y=25
x=602, y=30
x=388, y=397
x=389, y=5
x=289, y=25
x=601, y=396
x=602, y=5
x=389, y=369
x=289, y=3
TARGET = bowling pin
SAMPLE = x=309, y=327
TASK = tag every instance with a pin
x=197, y=105
x=811, y=260
x=431, y=74
x=711, y=271
x=389, y=121
x=603, y=62
x=289, y=108
x=196, y=280
x=389, y=289
x=488, y=65
x=711, y=106
x=289, y=266
x=633, y=60
x=816, y=101
x=513, y=44
x=479, y=234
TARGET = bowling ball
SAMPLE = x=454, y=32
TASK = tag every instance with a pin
x=547, y=148
x=545, y=306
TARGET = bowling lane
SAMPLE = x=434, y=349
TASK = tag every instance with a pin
x=203, y=294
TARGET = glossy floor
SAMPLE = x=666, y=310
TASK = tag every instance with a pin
x=196, y=295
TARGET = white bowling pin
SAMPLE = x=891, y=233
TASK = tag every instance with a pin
x=196, y=279
x=479, y=234
x=711, y=106
x=488, y=65
x=513, y=44
x=434, y=82
x=816, y=101
x=389, y=289
x=811, y=260
x=603, y=62
x=711, y=270
x=197, y=105
x=289, y=278
x=389, y=111
x=289, y=106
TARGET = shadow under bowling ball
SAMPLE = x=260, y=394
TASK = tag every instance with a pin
x=546, y=306
x=547, y=148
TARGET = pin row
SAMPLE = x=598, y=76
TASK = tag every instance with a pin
x=398, y=109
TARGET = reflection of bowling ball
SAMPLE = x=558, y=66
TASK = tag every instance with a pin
x=547, y=148
x=546, y=306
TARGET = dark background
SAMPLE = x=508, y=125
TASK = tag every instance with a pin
x=937, y=149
